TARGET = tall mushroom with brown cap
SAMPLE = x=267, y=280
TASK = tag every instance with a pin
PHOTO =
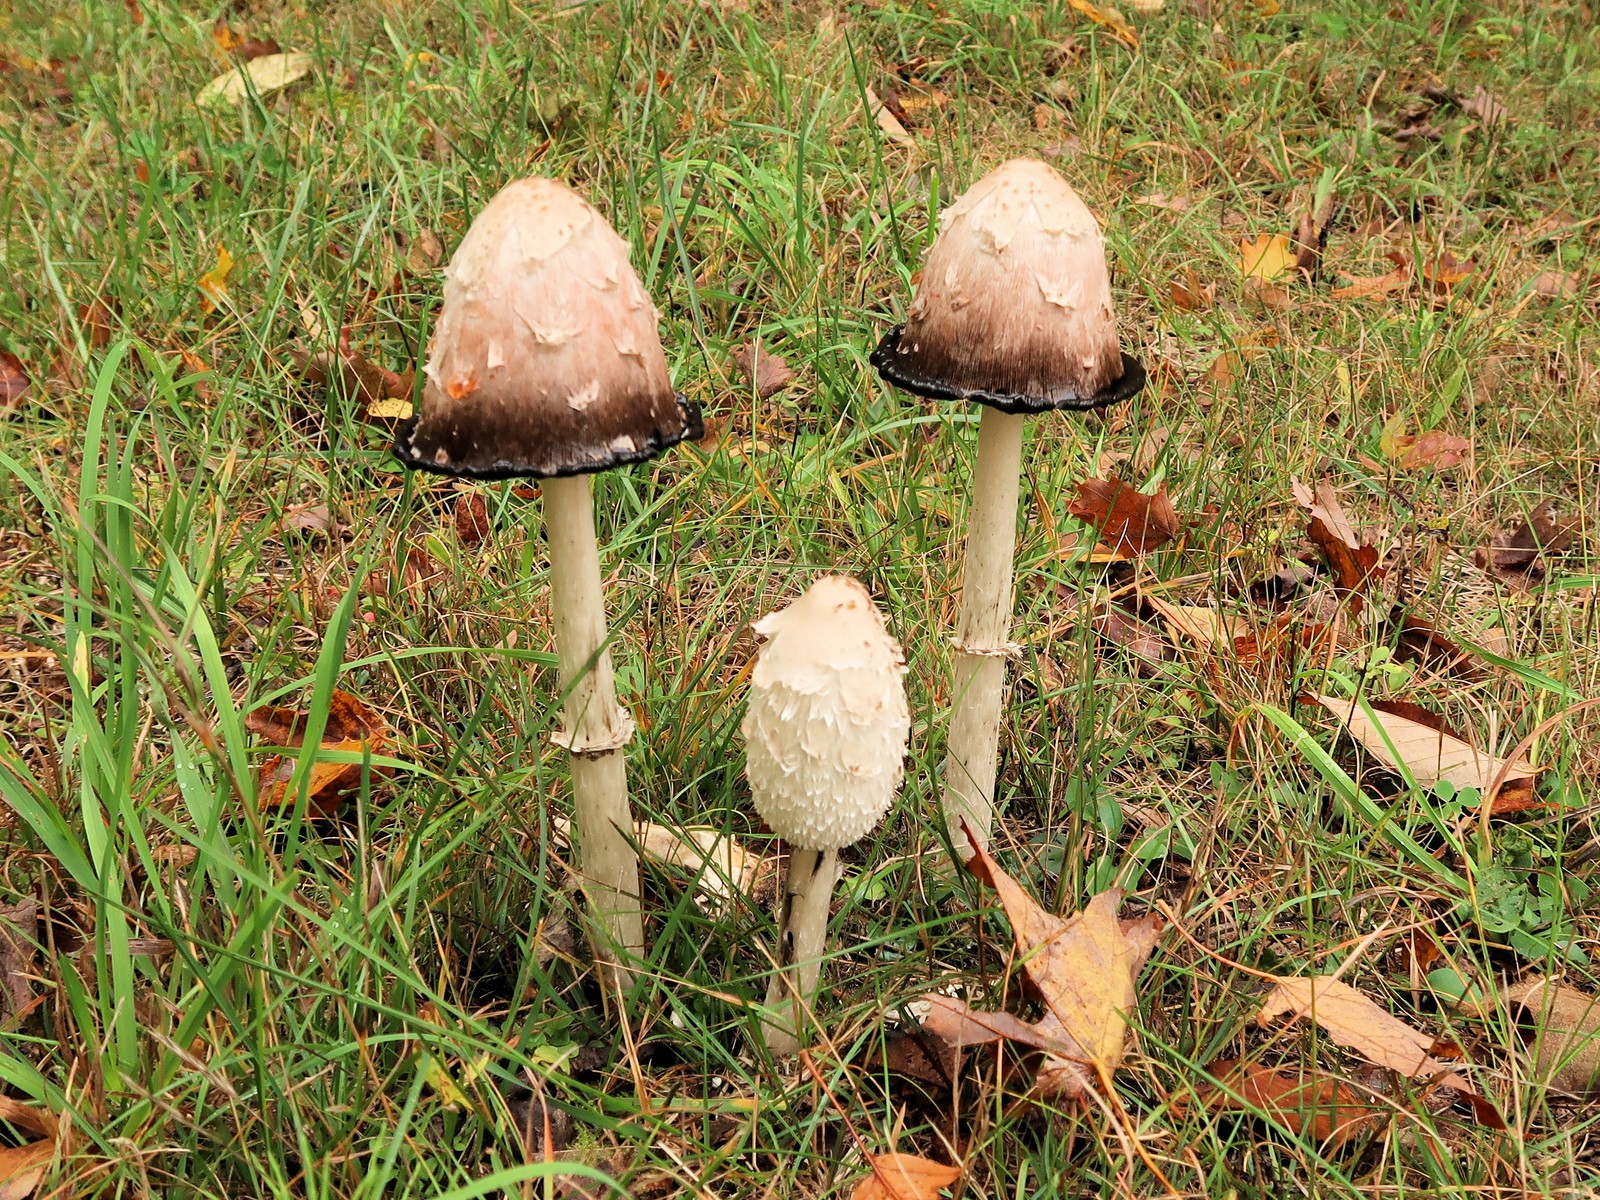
x=1013, y=311
x=825, y=738
x=546, y=363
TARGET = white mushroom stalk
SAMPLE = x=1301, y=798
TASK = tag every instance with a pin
x=546, y=363
x=1014, y=312
x=826, y=735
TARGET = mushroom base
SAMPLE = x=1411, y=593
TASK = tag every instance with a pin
x=802, y=937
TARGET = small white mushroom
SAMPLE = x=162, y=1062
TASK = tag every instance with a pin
x=825, y=744
x=1014, y=312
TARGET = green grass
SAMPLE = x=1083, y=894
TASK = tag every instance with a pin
x=314, y=982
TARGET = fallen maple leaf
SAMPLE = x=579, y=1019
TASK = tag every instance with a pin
x=1405, y=741
x=1267, y=257
x=1566, y=1047
x=213, y=284
x=1084, y=967
x=767, y=373
x=23, y=1167
x=14, y=381
x=1304, y=1101
x=351, y=727
x=1129, y=521
x=904, y=1177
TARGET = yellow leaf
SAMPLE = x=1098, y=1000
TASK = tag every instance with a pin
x=260, y=75
x=1123, y=31
x=904, y=1177
x=389, y=410
x=1268, y=257
x=213, y=284
x=1394, y=430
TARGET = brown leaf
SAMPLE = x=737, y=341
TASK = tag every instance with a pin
x=383, y=396
x=14, y=381
x=1189, y=294
x=1432, y=448
x=1083, y=965
x=1127, y=520
x=767, y=373
x=471, y=518
x=1566, y=1046
x=1443, y=272
x=351, y=727
x=1518, y=557
x=960, y=1026
x=424, y=253
x=1354, y=1021
x=1354, y=565
x=1431, y=752
x=1305, y=1101
x=19, y=927
x=904, y=1177
x=1484, y=105
x=1560, y=285
x=1311, y=237
x=313, y=519
x=1139, y=638
x=97, y=318
x=886, y=121
x=1178, y=204
x=919, y=1054
x=23, y=1167
x=1367, y=286
x=1201, y=624
x=1110, y=20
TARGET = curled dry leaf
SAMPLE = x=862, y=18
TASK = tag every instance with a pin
x=23, y=1167
x=766, y=373
x=383, y=396
x=886, y=121
x=1406, y=740
x=1199, y=624
x=19, y=928
x=471, y=518
x=1354, y=565
x=724, y=869
x=213, y=284
x=14, y=381
x=1304, y=1101
x=262, y=76
x=1566, y=1043
x=1127, y=520
x=1177, y=204
x=1518, y=557
x=1190, y=295
x=351, y=727
x=1108, y=19
x=904, y=1177
x=1366, y=287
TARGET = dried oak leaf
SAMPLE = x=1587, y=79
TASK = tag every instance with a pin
x=1304, y=1101
x=19, y=926
x=1127, y=520
x=904, y=1177
x=766, y=373
x=351, y=727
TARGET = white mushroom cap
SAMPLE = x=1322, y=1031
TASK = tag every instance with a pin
x=545, y=358
x=1014, y=303
x=827, y=726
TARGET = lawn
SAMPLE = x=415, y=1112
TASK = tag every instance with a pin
x=1356, y=246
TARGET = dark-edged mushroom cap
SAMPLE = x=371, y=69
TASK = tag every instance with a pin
x=1014, y=306
x=545, y=359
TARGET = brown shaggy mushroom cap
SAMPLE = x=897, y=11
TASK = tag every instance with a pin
x=1014, y=306
x=545, y=359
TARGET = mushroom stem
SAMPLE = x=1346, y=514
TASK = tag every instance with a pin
x=972, y=750
x=597, y=727
x=802, y=933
